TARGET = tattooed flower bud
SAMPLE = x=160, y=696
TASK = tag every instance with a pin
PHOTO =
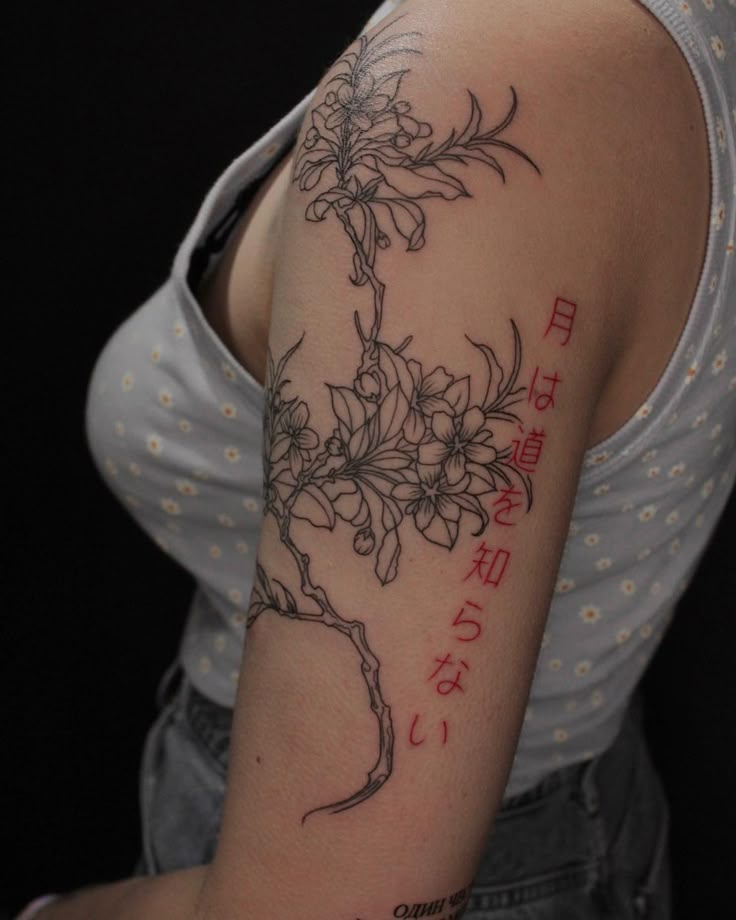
x=402, y=139
x=402, y=107
x=383, y=240
x=364, y=541
x=334, y=446
x=330, y=98
x=368, y=385
x=311, y=138
x=425, y=129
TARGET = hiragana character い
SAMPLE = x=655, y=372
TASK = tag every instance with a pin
x=416, y=741
x=412, y=741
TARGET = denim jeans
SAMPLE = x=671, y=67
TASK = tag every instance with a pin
x=590, y=841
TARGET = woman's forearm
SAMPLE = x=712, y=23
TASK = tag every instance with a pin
x=161, y=897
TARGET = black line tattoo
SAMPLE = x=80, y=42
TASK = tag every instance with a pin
x=408, y=444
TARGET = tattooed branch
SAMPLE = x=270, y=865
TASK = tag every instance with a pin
x=409, y=445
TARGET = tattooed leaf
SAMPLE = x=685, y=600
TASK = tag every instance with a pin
x=288, y=602
x=390, y=460
x=387, y=560
x=379, y=482
x=363, y=517
x=360, y=277
x=471, y=129
x=391, y=515
x=374, y=433
x=381, y=486
x=312, y=174
x=333, y=196
x=319, y=118
x=280, y=446
x=471, y=503
x=311, y=158
x=389, y=84
x=285, y=358
x=313, y=505
x=529, y=491
x=308, y=157
x=392, y=414
x=338, y=487
x=507, y=393
x=477, y=153
x=395, y=369
x=262, y=579
x=317, y=209
x=368, y=233
x=359, y=443
x=345, y=497
x=285, y=478
x=499, y=469
x=416, y=240
x=383, y=153
x=441, y=531
x=369, y=187
x=358, y=219
x=446, y=185
x=415, y=427
x=458, y=395
x=495, y=372
x=408, y=218
x=482, y=479
x=507, y=119
x=348, y=408
x=423, y=182
x=385, y=479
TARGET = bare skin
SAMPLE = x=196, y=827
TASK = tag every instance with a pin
x=662, y=279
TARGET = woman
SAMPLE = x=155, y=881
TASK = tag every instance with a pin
x=493, y=451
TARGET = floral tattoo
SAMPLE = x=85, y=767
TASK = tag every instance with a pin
x=409, y=446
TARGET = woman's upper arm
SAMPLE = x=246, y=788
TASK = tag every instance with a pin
x=446, y=310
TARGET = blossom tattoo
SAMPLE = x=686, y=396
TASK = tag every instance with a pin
x=409, y=446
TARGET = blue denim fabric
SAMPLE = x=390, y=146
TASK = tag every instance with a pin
x=589, y=842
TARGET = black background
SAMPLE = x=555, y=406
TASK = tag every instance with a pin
x=122, y=116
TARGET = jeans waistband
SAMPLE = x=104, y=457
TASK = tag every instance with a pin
x=211, y=722
x=602, y=781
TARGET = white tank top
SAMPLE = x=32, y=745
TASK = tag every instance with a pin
x=174, y=424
